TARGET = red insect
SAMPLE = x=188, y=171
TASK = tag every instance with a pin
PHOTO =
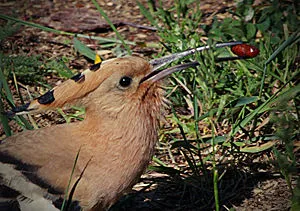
x=245, y=50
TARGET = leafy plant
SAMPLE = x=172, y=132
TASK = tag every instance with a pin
x=26, y=69
x=8, y=30
x=237, y=97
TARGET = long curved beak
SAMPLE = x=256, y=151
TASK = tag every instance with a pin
x=156, y=74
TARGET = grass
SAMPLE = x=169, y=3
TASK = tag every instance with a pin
x=238, y=97
x=234, y=109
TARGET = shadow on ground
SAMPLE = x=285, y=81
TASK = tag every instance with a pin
x=196, y=193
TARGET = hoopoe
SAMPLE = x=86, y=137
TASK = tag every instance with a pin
x=123, y=99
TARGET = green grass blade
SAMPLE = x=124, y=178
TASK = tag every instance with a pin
x=216, y=190
x=9, y=98
x=112, y=26
x=293, y=38
x=83, y=49
x=7, y=91
x=158, y=161
x=245, y=100
x=147, y=14
x=69, y=183
x=257, y=149
x=44, y=28
x=75, y=185
x=31, y=24
x=268, y=104
x=3, y=117
x=215, y=170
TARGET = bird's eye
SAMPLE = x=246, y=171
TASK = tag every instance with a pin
x=125, y=81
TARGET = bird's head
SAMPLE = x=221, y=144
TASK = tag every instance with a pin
x=115, y=85
x=122, y=81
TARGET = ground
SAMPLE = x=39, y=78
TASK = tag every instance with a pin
x=250, y=188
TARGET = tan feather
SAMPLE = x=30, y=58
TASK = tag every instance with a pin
x=118, y=134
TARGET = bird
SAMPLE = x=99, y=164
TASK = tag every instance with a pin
x=99, y=158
